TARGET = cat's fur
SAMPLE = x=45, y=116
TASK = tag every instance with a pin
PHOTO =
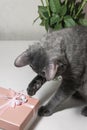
x=62, y=53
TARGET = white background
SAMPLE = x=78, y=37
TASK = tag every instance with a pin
x=16, y=20
x=19, y=78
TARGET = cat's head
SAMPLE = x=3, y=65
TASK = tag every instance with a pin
x=41, y=61
x=37, y=57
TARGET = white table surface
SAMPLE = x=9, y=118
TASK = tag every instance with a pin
x=19, y=78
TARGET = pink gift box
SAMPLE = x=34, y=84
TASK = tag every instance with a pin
x=19, y=117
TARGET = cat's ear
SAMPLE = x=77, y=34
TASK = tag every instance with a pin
x=22, y=59
x=51, y=71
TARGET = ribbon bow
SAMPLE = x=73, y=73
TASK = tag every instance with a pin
x=14, y=99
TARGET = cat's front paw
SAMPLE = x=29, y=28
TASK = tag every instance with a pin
x=44, y=111
x=33, y=87
x=31, y=91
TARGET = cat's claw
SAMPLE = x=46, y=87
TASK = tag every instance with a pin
x=44, y=111
x=31, y=92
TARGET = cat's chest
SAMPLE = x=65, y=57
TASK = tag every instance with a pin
x=83, y=87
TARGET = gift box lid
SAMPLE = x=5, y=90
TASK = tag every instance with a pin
x=17, y=118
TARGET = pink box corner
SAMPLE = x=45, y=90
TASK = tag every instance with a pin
x=19, y=117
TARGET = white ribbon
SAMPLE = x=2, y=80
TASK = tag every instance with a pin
x=14, y=100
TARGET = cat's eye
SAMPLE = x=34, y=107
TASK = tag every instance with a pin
x=61, y=65
x=43, y=73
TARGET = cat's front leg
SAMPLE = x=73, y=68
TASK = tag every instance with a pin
x=35, y=85
x=66, y=89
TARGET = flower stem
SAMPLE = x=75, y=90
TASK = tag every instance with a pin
x=66, y=2
x=80, y=9
x=42, y=2
x=72, y=7
x=36, y=19
x=47, y=3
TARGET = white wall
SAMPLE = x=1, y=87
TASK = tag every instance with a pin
x=16, y=20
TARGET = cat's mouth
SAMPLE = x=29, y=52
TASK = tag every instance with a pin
x=49, y=78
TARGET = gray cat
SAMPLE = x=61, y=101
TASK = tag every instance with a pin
x=64, y=53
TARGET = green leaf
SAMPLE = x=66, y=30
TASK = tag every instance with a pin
x=69, y=22
x=83, y=22
x=54, y=5
x=63, y=10
x=58, y=26
x=43, y=13
x=46, y=24
x=54, y=19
